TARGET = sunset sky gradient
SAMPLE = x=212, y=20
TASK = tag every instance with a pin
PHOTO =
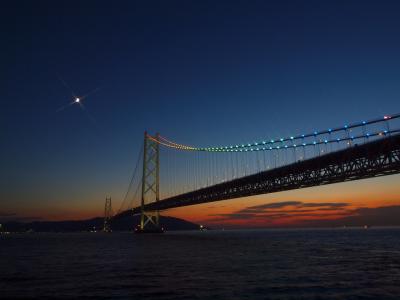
x=204, y=73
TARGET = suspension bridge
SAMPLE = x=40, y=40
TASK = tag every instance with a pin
x=175, y=175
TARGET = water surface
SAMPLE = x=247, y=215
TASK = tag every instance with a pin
x=259, y=264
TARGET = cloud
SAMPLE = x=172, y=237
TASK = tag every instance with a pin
x=235, y=216
x=329, y=205
x=263, y=208
x=286, y=209
x=379, y=216
x=311, y=214
x=275, y=205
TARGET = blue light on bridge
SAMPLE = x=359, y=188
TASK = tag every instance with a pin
x=284, y=140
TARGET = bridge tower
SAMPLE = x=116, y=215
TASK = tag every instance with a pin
x=150, y=220
x=107, y=215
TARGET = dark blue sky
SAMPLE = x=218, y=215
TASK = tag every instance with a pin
x=200, y=72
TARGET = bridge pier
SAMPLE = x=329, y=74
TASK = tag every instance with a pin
x=107, y=215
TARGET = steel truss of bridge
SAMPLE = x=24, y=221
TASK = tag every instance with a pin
x=377, y=158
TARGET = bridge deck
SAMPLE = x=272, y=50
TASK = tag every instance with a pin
x=377, y=158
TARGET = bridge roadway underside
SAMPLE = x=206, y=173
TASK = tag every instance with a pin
x=377, y=158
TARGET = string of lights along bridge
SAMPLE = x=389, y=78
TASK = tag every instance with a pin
x=169, y=169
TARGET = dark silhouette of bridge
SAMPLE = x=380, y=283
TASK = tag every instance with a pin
x=352, y=152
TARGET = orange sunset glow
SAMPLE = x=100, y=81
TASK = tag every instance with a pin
x=299, y=207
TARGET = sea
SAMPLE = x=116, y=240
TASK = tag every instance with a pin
x=345, y=263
